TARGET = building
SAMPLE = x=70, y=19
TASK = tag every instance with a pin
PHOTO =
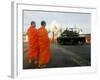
x=87, y=38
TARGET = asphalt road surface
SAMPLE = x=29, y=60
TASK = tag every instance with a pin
x=64, y=56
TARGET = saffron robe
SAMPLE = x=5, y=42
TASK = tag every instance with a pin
x=32, y=43
x=44, y=46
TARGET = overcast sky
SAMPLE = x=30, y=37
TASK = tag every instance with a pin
x=67, y=19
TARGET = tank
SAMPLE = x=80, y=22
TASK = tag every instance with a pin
x=70, y=36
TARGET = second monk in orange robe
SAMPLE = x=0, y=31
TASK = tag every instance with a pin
x=32, y=42
x=44, y=45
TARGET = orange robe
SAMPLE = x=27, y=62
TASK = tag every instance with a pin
x=32, y=43
x=44, y=46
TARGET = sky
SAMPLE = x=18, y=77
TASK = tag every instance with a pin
x=68, y=19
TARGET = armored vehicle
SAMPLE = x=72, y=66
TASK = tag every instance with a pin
x=69, y=36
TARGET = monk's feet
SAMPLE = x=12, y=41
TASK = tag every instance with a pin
x=42, y=66
x=35, y=62
x=30, y=61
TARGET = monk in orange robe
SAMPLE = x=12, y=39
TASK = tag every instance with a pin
x=32, y=42
x=44, y=46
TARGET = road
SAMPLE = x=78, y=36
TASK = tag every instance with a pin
x=64, y=56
